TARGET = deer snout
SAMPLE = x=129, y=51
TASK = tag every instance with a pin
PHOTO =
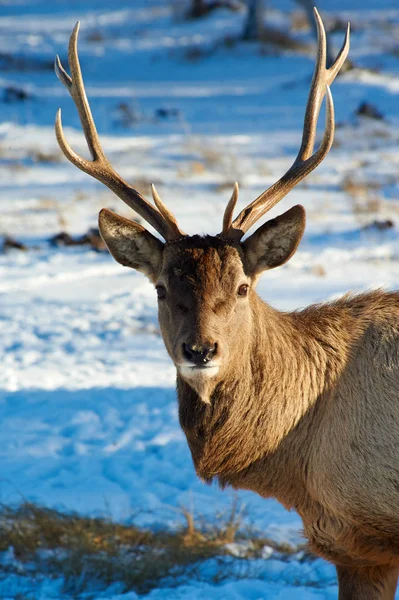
x=199, y=354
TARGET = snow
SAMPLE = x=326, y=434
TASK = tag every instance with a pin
x=87, y=401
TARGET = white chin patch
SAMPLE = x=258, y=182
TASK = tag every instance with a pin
x=193, y=372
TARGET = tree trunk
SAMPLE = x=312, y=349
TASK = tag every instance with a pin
x=198, y=8
x=253, y=25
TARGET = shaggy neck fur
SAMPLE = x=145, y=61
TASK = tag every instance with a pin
x=271, y=392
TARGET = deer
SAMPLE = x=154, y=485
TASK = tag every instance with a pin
x=301, y=406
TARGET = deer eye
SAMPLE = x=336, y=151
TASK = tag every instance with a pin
x=161, y=291
x=243, y=290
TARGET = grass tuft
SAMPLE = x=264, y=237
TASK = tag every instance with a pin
x=92, y=552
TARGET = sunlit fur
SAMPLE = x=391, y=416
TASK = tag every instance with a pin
x=305, y=409
x=304, y=406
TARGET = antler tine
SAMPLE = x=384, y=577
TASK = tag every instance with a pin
x=100, y=168
x=228, y=213
x=305, y=161
x=322, y=78
x=163, y=209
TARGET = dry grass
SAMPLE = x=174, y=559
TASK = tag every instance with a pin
x=364, y=196
x=359, y=189
x=276, y=38
x=38, y=156
x=299, y=21
x=218, y=160
x=84, y=550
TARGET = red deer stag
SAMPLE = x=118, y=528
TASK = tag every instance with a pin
x=301, y=406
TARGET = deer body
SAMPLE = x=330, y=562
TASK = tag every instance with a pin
x=299, y=421
x=300, y=406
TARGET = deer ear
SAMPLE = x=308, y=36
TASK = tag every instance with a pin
x=131, y=244
x=275, y=242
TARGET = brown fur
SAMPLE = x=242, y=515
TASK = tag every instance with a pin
x=305, y=404
x=306, y=410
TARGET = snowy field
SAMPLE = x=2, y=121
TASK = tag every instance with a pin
x=87, y=401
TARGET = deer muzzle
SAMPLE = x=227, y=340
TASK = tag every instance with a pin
x=199, y=359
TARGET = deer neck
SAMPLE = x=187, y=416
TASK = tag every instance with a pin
x=267, y=398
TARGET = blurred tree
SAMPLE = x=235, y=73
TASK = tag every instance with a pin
x=255, y=29
x=200, y=8
x=254, y=26
x=254, y=23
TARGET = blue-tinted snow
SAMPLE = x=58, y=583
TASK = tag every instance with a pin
x=87, y=402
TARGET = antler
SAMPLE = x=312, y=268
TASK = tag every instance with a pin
x=305, y=162
x=160, y=218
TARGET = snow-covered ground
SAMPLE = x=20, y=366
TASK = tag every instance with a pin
x=87, y=401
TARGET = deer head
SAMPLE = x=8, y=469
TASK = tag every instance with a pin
x=205, y=285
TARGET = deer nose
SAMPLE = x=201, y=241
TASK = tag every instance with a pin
x=199, y=354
